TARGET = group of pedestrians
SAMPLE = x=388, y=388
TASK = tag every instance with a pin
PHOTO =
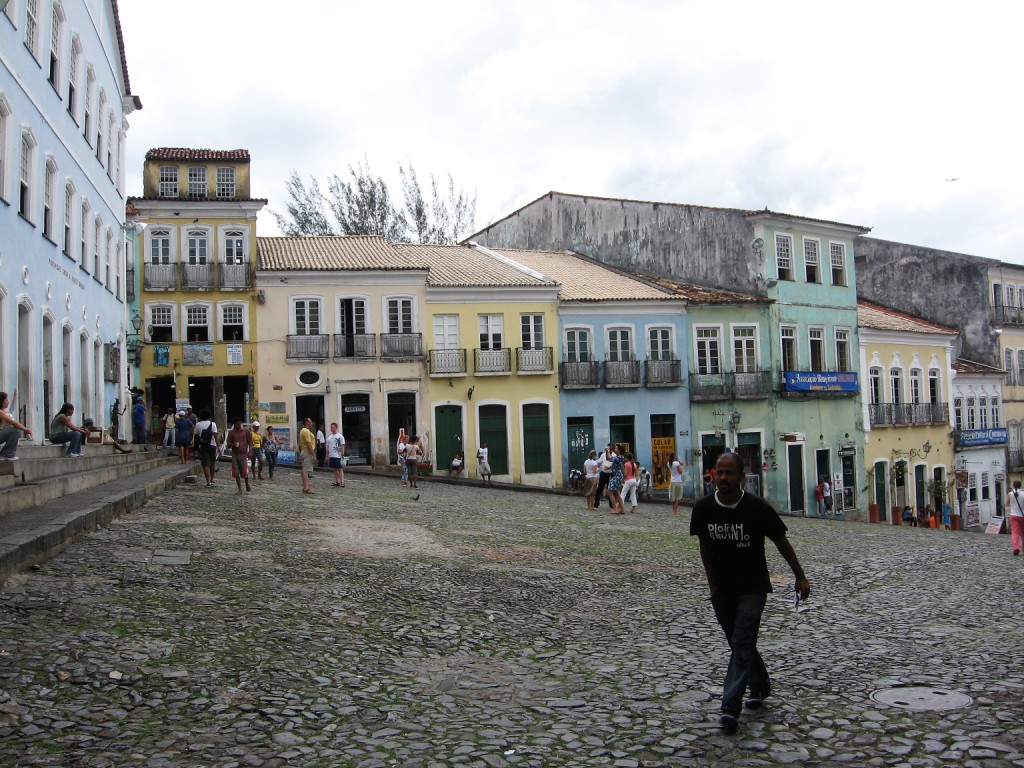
x=613, y=475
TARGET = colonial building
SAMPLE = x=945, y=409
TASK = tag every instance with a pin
x=979, y=437
x=1006, y=289
x=64, y=102
x=195, y=282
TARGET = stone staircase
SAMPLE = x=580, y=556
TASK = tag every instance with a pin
x=43, y=473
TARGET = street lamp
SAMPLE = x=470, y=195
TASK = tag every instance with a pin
x=135, y=340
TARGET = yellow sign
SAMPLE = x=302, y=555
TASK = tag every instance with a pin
x=661, y=447
x=277, y=418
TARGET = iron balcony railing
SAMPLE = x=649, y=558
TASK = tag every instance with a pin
x=662, y=373
x=355, y=345
x=197, y=277
x=1016, y=459
x=492, y=361
x=311, y=347
x=579, y=375
x=538, y=360
x=1003, y=315
x=235, y=277
x=907, y=414
x=709, y=386
x=751, y=385
x=446, y=362
x=621, y=373
x=399, y=345
x=160, y=277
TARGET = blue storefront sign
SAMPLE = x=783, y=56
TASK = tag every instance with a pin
x=969, y=437
x=821, y=381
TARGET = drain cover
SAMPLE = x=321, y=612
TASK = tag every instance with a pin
x=922, y=699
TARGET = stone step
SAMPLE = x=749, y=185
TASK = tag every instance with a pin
x=31, y=468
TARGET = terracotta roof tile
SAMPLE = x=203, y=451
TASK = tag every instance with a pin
x=186, y=154
x=870, y=315
x=969, y=366
x=333, y=253
x=701, y=294
x=464, y=266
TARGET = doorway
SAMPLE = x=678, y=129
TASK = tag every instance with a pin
x=623, y=430
x=160, y=395
x=494, y=431
x=797, y=485
x=580, y=431
x=748, y=446
x=236, y=397
x=401, y=415
x=309, y=407
x=447, y=435
x=49, y=371
x=355, y=426
x=823, y=471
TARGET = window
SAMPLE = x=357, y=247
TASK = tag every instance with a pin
x=108, y=260
x=708, y=353
x=986, y=491
x=915, y=385
x=225, y=182
x=168, y=181
x=352, y=316
x=934, y=392
x=399, y=315
x=446, y=331
x=56, y=29
x=234, y=247
x=660, y=344
x=896, y=386
x=197, y=182
x=816, y=340
x=1020, y=366
x=49, y=182
x=811, y=262
x=1020, y=296
x=532, y=336
x=160, y=247
x=111, y=144
x=788, y=340
x=620, y=345
x=577, y=346
x=83, y=260
x=1011, y=295
x=5, y=123
x=972, y=487
x=838, y=253
x=744, y=349
x=90, y=84
x=161, y=323
x=1008, y=366
x=197, y=318
x=784, y=256
x=958, y=412
x=76, y=54
x=198, y=240
x=490, y=327
x=232, y=322
x=99, y=125
x=997, y=294
x=983, y=413
x=96, y=244
x=28, y=146
x=69, y=207
x=875, y=376
x=997, y=417
x=32, y=27
x=842, y=350
x=972, y=416
x=307, y=317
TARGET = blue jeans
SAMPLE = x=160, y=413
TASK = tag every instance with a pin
x=75, y=438
x=9, y=437
x=740, y=619
x=271, y=462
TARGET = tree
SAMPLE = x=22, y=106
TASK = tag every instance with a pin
x=361, y=204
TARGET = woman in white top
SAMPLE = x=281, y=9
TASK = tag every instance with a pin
x=11, y=430
x=591, y=474
x=1015, y=506
x=675, y=482
x=402, y=447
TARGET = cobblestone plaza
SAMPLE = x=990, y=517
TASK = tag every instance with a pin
x=488, y=628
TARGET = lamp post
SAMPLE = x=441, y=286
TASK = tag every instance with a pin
x=134, y=344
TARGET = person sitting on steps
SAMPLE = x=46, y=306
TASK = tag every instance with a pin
x=63, y=430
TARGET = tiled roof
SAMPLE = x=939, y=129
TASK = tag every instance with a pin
x=870, y=315
x=700, y=294
x=969, y=366
x=460, y=266
x=584, y=279
x=332, y=253
x=182, y=153
x=124, y=59
x=130, y=209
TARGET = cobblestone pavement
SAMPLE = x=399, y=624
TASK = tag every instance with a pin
x=488, y=628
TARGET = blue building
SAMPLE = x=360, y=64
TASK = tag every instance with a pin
x=64, y=100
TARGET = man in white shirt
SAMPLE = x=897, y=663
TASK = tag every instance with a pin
x=483, y=464
x=826, y=491
x=336, y=455
x=321, y=446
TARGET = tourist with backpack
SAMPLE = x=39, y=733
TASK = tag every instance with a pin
x=206, y=439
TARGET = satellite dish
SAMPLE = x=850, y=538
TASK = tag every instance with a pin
x=757, y=245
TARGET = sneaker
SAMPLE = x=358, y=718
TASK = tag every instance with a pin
x=729, y=724
x=1016, y=551
x=8, y=458
x=754, y=702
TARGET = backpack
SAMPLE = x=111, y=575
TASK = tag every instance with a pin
x=203, y=438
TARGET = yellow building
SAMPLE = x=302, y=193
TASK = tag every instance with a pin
x=908, y=374
x=196, y=298
x=1006, y=287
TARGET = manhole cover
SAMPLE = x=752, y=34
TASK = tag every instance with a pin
x=922, y=699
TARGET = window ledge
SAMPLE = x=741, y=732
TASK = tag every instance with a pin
x=26, y=220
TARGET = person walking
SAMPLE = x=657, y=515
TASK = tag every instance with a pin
x=819, y=497
x=630, y=480
x=412, y=459
x=321, y=446
x=205, y=438
x=139, y=422
x=483, y=464
x=615, y=481
x=826, y=491
x=336, y=455
x=604, y=461
x=270, y=448
x=11, y=430
x=947, y=510
x=675, y=482
x=591, y=471
x=731, y=526
x=307, y=453
x=239, y=442
x=257, y=451
x=401, y=447
x=183, y=436
x=63, y=430
x=169, y=429
x=1015, y=504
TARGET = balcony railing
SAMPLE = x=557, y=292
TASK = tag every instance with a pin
x=709, y=386
x=621, y=373
x=662, y=373
x=197, y=277
x=160, y=277
x=308, y=347
x=1003, y=315
x=492, y=361
x=446, y=362
x=1016, y=459
x=581, y=375
x=539, y=360
x=355, y=345
x=751, y=385
x=396, y=345
x=235, y=277
x=907, y=414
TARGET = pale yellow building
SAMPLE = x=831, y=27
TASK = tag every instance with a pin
x=1006, y=287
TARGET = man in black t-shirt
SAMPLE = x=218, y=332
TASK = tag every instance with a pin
x=732, y=525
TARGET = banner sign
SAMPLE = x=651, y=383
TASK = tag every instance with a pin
x=969, y=437
x=821, y=381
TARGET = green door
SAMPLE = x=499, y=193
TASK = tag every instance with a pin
x=580, y=431
x=447, y=435
x=536, y=438
x=493, y=423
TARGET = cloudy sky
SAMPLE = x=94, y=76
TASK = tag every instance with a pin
x=899, y=115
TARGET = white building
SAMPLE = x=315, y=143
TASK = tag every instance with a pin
x=980, y=442
x=64, y=99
